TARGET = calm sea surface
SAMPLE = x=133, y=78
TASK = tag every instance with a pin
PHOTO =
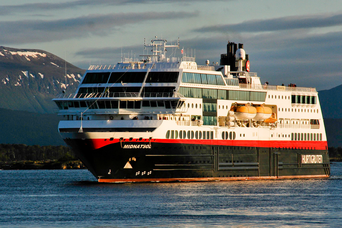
x=73, y=198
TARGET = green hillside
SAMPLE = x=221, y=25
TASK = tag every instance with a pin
x=20, y=127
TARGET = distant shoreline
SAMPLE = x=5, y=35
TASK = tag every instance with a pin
x=51, y=164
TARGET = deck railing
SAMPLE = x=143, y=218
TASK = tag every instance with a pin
x=119, y=95
x=277, y=87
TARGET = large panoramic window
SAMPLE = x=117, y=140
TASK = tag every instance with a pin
x=211, y=79
x=162, y=77
x=127, y=77
x=96, y=78
x=222, y=94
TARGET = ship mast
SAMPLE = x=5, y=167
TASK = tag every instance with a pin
x=158, y=49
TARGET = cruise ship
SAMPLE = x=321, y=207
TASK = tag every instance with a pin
x=164, y=118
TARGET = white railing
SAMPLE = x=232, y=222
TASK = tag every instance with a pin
x=101, y=67
x=119, y=94
x=277, y=87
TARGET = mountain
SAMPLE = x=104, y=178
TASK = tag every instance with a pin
x=30, y=78
x=331, y=102
x=21, y=127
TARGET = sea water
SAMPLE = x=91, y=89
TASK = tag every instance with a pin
x=73, y=198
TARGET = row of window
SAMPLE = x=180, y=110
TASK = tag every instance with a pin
x=107, y=104
x=222, y=94
x=121, y=91
x=231, y=135
x=174, y=134
x=209, y=107
x=302, y=99
x=306, y=136
x=299, y=110
x=279, y=97
x=210, y=120
x=130, y=77
x=297, y=121
x=211, y=79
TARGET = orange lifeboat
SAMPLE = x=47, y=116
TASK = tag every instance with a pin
x=272, y=119
x=262, y=113
x=244, y=111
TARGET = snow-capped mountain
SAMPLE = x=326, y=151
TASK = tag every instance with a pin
x=30, y=78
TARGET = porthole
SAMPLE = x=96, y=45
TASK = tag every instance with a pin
x=188, y=105
x=192, y=134
x=180, y=134
x=196, y=105
x=196, y=134
x=168, y=134
x=184, y=134
x=200, y=135
x=188, y=135
x=223, y=135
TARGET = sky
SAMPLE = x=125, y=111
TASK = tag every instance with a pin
x=292, y=41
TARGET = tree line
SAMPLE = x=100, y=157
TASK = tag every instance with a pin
x=22, y=152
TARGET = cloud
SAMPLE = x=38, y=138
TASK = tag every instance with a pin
x=303, y=58
x=33, y=31
x=277, y=24
x=32, y=7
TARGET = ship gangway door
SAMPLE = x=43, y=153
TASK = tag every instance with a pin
x=264, y=161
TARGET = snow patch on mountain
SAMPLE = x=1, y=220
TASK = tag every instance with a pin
x=41, y=75
x=28, y=54
x=54, y=64
x=5, y=80
x=63, y=86
x=25, y=73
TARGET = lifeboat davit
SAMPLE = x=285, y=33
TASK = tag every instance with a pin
x=244, y=111
x=262, y=113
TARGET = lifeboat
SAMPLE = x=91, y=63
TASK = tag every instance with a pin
x=272, y=119
x=262, y=113
x=244, y=111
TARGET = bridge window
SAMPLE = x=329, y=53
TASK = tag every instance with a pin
x=127, y=77
x=101, y=77
x=162, y=77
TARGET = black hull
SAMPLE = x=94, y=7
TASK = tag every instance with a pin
x=162, y=162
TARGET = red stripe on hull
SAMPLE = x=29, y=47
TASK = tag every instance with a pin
x=313, y=145
x=208, y=179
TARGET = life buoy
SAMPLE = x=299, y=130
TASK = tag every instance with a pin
x=111, y=117
x=248, y=66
